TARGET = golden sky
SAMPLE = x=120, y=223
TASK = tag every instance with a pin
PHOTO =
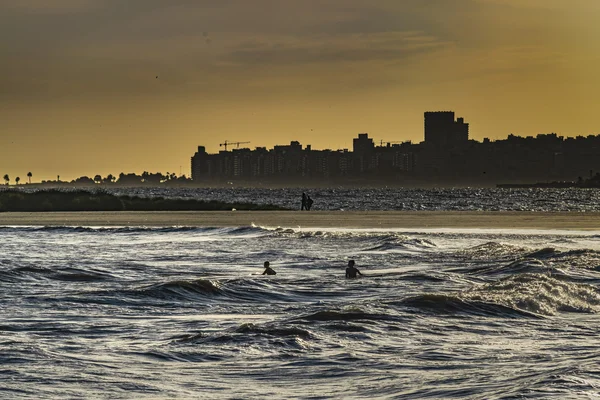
x=79, y=93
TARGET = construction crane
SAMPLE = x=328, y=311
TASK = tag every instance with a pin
x=388, y=143
x=227, y=143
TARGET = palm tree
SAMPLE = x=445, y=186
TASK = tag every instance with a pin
x=6, y=178
x=29, y=175
x=17, y=179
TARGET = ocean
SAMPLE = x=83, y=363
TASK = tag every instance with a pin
x=377, y=199
x=181, y=312
x=392, y=199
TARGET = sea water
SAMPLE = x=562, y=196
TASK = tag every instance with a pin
x=179, y=312
x=378, y=199
x=398, y=199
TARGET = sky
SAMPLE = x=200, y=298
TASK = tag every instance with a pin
x=107, y=86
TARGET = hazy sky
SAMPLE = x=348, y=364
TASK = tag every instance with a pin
x=79, y=93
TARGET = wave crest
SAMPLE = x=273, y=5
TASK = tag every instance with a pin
x=493, y=250
x=457, y=304
x=540, y=294
x=342, y=316
x=134, y=229
x=531, y=295
x=185, y=290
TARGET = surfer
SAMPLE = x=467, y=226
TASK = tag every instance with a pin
x=269, y=270
x=351, y=270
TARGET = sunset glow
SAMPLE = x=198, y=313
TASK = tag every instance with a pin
x=105, y=86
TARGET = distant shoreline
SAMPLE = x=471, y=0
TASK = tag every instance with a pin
x=367, y=184
x=313, y=219
x=54, y=200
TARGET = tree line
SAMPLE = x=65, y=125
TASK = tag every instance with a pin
x=17, y=179
x=146, y=178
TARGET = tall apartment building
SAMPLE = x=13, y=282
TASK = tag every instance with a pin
x=200, y=163
x=363, y=144
x=363, y=150
x=442, y=130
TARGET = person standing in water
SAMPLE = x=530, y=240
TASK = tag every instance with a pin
x=303, y=204
x=268, y=269
x=351, y=270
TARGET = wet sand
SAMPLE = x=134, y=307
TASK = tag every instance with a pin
x=312, y=219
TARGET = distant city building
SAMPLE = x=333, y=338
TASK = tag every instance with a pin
x=200, y=165
x=292, y=163
x=364, y=154
x=363, y=144
x=442, y=130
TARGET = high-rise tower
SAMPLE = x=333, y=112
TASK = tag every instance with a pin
x=441, y=129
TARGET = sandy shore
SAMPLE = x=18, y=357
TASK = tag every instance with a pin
x=313, y=219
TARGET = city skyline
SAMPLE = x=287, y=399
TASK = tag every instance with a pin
x=445, y=131
x=446, y=155
x=93, y=87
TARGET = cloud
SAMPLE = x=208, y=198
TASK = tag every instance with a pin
x=74, y=47
x=323, y=49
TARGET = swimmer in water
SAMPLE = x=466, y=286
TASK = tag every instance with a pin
x=351, y=270
x=269, y=270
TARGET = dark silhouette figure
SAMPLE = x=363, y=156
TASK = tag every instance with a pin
x=303, y=207
x=351, y=270
x=268, y=269
x=309, y=203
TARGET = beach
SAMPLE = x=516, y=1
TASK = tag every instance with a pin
x=313, y=219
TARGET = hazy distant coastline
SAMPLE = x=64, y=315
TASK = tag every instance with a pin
x=285, y=184
x=83, y=200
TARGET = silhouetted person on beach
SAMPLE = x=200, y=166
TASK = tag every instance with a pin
x=351, y=270
x=309, y=203
x=269, y=270
x=303, y=207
